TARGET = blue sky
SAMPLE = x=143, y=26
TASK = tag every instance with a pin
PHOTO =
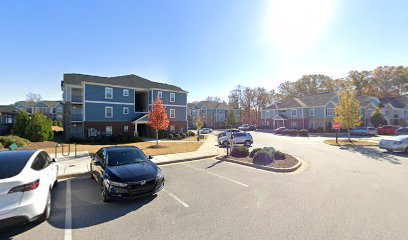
x=206, y=47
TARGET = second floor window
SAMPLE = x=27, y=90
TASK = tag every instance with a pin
x=109, y=112
x=160, y=95
x=172, y=97
x=369, y=112
x=125, y=110
x=109, y=93
x=125, y=129
x=387, y=113
x=294, y=112
x=172, y=113
x=330, y=112
x=125, y=92
x=311, y=112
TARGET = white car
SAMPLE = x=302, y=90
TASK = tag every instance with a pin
x=206, y=130
x=239, y=138
x=26, y=180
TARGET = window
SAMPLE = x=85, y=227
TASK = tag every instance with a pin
x=330, y=112
x=387, y=113
x=109, y=131
x=172, y=128
x=369, y=112
x=108, y=93
x=125, y=129
x=109, y=112
x=293, y=124
x=294, y=112
x=267, y=114
x=125, y=92
x=160, y=95
x=311, y=112
x=312, y=125
x=125, y=110
x=172, y=113
x=172, y=97
x=41, y=161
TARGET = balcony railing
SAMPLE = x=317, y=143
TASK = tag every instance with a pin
x=76, y=98
x=76, y=117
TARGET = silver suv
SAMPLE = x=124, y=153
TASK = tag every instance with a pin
x=239, y=138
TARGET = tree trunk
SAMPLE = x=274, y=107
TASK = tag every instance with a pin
x=348, y=134
x=157, y=138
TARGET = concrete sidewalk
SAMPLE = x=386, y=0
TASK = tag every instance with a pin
x=69, y=166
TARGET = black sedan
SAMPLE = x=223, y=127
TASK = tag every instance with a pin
x=125, y=172
x=402, y=131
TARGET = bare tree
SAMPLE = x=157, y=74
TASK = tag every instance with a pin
x=248, y=101
x=213, y=99
x=33, y=97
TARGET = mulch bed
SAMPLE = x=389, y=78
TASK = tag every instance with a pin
x=288, y=162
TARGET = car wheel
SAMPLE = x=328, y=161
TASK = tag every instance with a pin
x=47, y=211
x=248, y=143
x=105, y=194
x=406, y=150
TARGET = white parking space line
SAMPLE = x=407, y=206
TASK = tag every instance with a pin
x=68, y=213
x=229, y=179
x=176, y=198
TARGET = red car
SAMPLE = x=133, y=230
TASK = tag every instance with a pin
x=388, y=129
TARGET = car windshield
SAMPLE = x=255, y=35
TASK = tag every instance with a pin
x=125, y=156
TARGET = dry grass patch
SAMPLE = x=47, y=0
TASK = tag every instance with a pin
x=353, y=143
x=147, y=147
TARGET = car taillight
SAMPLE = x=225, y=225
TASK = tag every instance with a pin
x=26, y=187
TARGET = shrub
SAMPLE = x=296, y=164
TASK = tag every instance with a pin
x=240, y=152
x=303, y=133
x=177, y=136
x=255, y=150
x=191, y=133
x=183, y=135
x=1, y=145
x=293, y=132
x=278, y=155
x=269, y=149
x=285, y=132
x=263, y=157
x=39, y=128
x=163, y=134
x=171, y=136
x=20, y=124
x=8, y=140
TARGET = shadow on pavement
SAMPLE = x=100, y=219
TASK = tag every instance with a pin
x=214, y=164
x=88, y=208
x=375, y=153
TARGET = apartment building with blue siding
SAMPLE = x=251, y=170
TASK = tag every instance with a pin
x=117, y=106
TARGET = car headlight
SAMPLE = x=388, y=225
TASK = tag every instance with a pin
x=115, y=184
x=159, y=173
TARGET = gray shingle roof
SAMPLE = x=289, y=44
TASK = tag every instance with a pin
x=7, y=109
x=215, y=105
x=51, y=103
x=126, y=80
x=397, y=102
x=306, y=101
x=25, y=103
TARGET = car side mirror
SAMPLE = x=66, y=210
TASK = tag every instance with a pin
x=150, y=157
x=53, y=160
x=97, y=163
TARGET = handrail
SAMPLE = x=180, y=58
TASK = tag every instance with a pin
x=62, y=149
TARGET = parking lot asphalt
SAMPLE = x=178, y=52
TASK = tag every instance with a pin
x=345, y=194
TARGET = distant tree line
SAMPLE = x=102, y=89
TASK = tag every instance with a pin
x=383, y=81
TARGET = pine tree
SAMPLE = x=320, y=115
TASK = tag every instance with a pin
x=348, y=110
x=158, y=119
x=21, y=123
x=377, y=119
x=39, y=128
x=232, y=119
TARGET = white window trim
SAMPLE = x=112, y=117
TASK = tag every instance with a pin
x=106, y=116
x=126, y=129
x=126, y=92
x=311, y=112
x=160, y=94
x=172, y=113
x=172, y=97
x=106, y=93
x=291, y=112
x=111, y=130
x=328, y=112
x=125, y=108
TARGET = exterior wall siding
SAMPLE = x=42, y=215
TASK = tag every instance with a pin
x=95, y=112
x=97, y=93
x=180, y=98
x=180, y=113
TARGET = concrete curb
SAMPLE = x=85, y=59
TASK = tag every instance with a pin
x=271, y=169
x=186, y=159
x=74, y=175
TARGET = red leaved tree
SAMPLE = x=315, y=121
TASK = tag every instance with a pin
x=158, y=119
